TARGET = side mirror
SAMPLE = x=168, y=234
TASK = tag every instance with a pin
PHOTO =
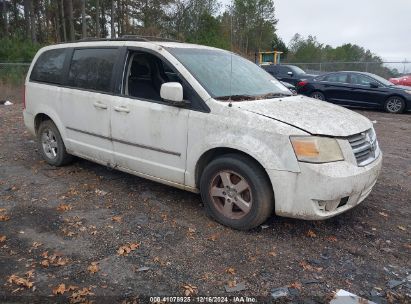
x=173, y=93
x=374, y=85
x=290, y=73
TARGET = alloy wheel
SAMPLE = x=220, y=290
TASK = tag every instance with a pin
x=231, y=194
x=49, y=143
x=394, y=105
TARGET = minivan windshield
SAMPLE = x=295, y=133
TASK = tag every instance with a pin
x=226, y=76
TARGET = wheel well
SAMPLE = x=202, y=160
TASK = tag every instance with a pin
x=212, y=154
x=395, y=95
x=39, y=119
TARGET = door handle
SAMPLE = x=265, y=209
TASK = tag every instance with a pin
x=100, y=105
x=123, y=109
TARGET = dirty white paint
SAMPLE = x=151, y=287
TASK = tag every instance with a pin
x=167, y=142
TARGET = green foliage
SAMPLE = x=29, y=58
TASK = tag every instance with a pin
x=17, y=50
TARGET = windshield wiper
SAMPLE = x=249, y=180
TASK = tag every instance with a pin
x=235, y=97
x=273, y=95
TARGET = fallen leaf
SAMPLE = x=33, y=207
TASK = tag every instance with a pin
x=383, y=214
x=311, y=233
x=45, y=263
x=231, y=283
x=295, y=285
x=189, y=290
x=272, y=252
x=60, y=289
x=64, y=207
x=331, y=238
x=116, y=218
x=93, y=268
x=126, y=249
x=2, y=238
x=4, y=217
x=2, y=209
x=79, y=295
x=308, y=267
x=230, y=270
x=402, y=228
x=14, y=279
x=213, y=237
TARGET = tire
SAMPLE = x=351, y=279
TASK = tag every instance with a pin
x=395, y=105
x=239, y=173
x=51, y=145
x=317, y=95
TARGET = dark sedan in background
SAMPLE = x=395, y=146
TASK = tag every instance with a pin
x=287, y=73
x=358, y=89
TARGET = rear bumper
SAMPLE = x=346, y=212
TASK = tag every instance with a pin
x=321, y=191
x=29, y=122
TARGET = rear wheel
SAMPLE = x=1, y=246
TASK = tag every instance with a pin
x=394, y=105
x=236, y=192
x=317, y=95
x=51, y=144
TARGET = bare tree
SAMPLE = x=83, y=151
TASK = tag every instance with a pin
x=63, y=20
x=83, y=19
x=70, y=19
x=98, y=34
x=5, y=18
x=113, y=29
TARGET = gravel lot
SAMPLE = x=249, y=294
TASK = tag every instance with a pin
x=68, y=225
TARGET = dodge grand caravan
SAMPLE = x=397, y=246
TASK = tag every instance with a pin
x=204, y=120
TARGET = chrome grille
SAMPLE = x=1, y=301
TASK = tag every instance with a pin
x=365, y=147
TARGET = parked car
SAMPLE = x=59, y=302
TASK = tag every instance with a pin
x=287, y=73
x=289, y=86
x=404, y=80
x=358, y=89
x=204, y=120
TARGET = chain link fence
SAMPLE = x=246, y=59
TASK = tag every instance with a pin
x=386, y=69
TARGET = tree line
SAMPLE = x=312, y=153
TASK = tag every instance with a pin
x=244, y=25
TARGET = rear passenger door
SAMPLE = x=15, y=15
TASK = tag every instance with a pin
x=336, y=88
x=85, y=106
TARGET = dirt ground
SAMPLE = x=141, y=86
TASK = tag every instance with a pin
x=110, y=236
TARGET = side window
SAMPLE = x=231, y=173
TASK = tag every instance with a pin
x=145, y=74
x=49, y=67
x=92, y=69
x=360, y=79
x=338, y=77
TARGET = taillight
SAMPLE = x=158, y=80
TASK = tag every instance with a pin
x=301, y=83
x=24, y=97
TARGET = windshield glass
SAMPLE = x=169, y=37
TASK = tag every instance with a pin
x=382, y=80
x=224, y=75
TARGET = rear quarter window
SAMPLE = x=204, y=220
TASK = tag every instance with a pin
x=92, y=69
x=49, y=67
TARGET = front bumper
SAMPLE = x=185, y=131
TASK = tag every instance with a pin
x=321, y=191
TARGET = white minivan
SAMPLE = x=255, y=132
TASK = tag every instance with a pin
x=204, y=120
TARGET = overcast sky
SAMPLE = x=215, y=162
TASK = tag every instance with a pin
x=382, y=26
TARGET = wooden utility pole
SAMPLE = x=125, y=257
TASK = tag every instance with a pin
x=70, y=17
x=98, y=34
x=113, y=30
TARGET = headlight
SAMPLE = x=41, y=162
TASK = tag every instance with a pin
x=315, y=149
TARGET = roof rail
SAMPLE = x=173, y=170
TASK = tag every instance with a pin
x=127, y=38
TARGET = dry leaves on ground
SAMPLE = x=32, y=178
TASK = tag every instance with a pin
x=402, y=228
x=117, y=219
x=79, y=295
x=213, y=237
x=273, y=252
x=295, y=285
x=230, y=270
x=14, y=279
x=383, y=214
x=93, y=268
x=331, y=238
x=4, y=217
x=2, y=238
x=189, y=290
x=309, y=267
x=191, y=232
x=61, y=289
x=126, y=249
x=53, y=260
x=64, y=207
x=310, y=233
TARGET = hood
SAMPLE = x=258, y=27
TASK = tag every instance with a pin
x=311, y=115
x=401, y=87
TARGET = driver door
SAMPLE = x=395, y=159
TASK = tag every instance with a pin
x=149, y=135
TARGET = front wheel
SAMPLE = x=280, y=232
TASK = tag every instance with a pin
x=394, y=105
x=317, y=95
x=236, y=192
x=51, y=144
